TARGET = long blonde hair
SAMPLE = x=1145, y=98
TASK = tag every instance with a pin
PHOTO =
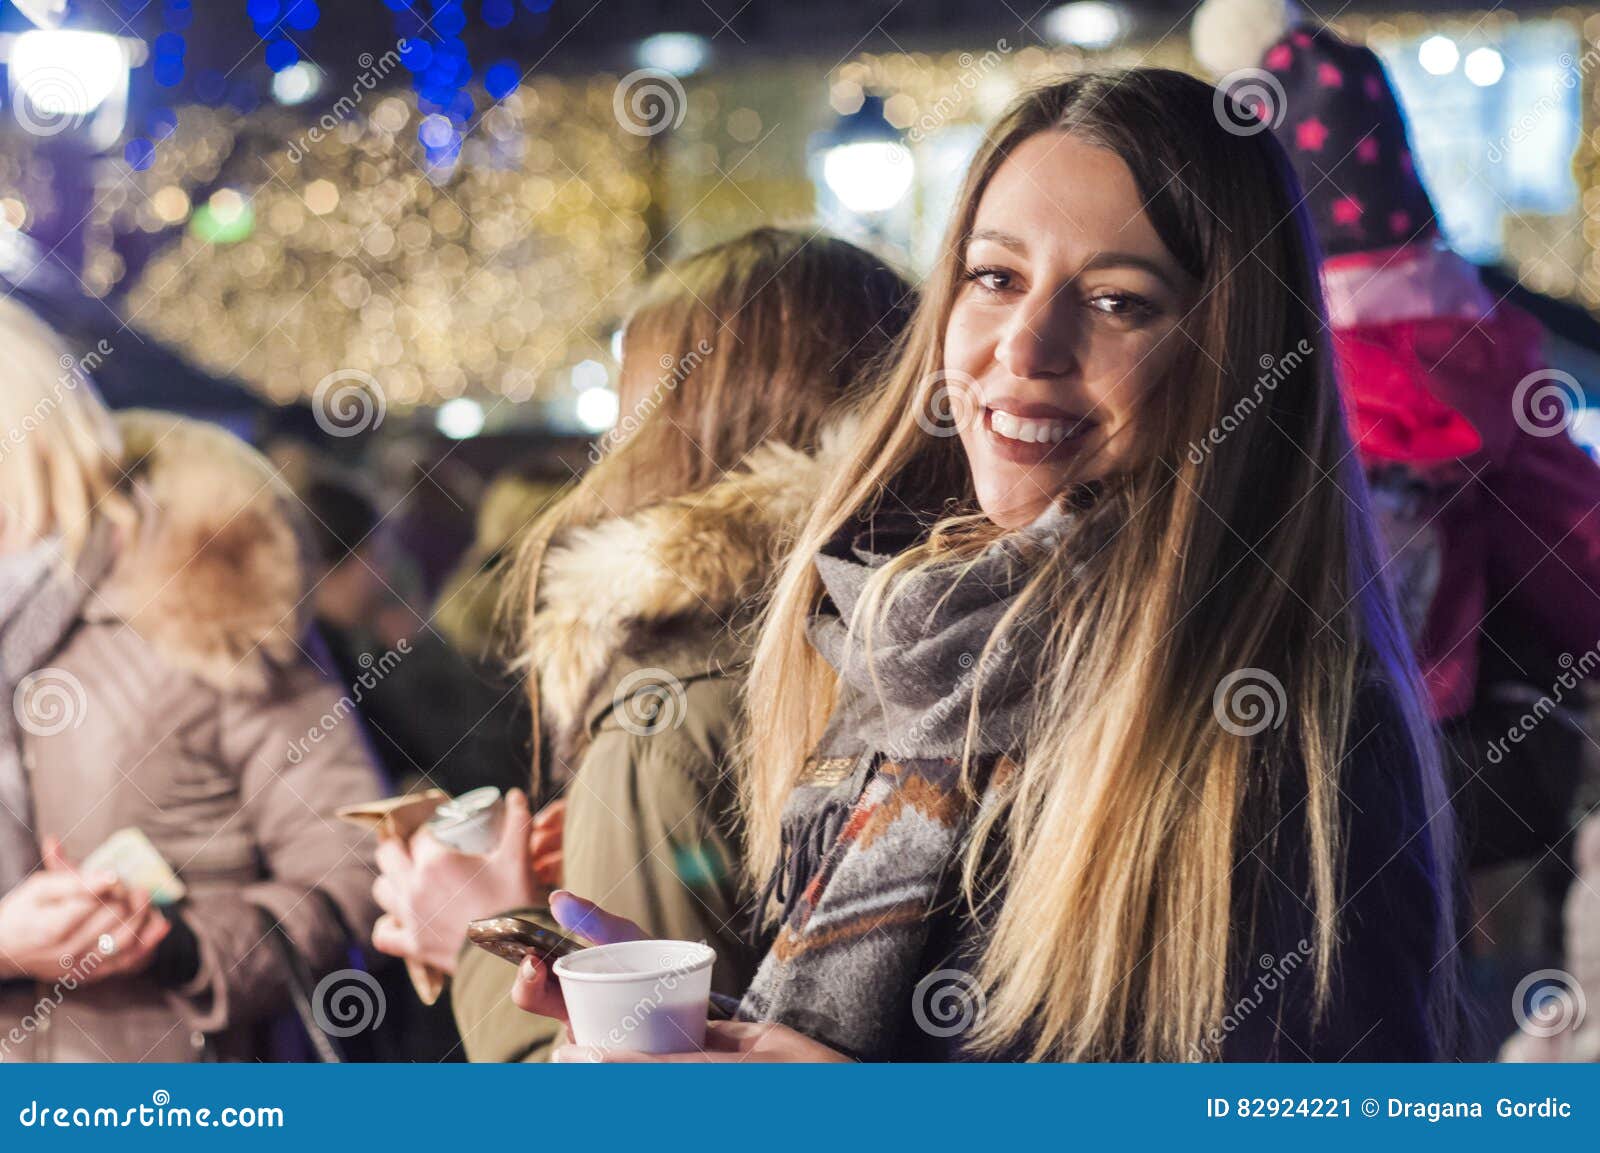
x=1256, y=558
x=759, y=339
x=59, y=447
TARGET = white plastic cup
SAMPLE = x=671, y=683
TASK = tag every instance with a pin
x=640, y=996
x=470, y=823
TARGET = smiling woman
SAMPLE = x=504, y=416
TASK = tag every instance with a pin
x=1074, y=744
x=1191, y=738
x=1058, y=340
x=1125, y=838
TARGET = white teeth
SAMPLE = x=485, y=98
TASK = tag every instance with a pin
x=1027, y=431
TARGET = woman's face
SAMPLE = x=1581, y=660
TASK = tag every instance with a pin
x=1065, y=315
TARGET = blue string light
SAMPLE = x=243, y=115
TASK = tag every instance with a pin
x=163, y=122
x=167, y=71
x=435, y=132
x=451, y=67
x=282, y=54
x=498, y=13
x=167, y=68
x=449, y=19
x=140, y=153
x=416, y=55
x=302, y=15
x=435, y=54
x=501, y=79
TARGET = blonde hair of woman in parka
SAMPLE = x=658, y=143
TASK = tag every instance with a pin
x=59, y=447
x=762, y=339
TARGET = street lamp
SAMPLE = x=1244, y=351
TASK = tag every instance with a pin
x=69, y=79
x=863, y=163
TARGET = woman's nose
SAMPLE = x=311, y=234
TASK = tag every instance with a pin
x=1041, y=337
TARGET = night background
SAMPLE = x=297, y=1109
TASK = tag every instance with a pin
x=445, y=197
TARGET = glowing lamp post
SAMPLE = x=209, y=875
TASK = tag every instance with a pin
x=863, y=172
x=70, y=81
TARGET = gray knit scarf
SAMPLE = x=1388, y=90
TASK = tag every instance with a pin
x=40, y=600
x=879, y=817
x=910, y=695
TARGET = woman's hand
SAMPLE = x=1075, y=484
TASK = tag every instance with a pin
x=132, y=944
x=429, y=892
x=549, y=824
x=57, y=916
x=725, y=1041
x=536, y=989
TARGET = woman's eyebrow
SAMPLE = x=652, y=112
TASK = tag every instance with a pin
x=1004, y=239
x=1130, y=260
x=1100, y=260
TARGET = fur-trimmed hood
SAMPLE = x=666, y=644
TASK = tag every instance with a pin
x=212, y=574
x=701, y=560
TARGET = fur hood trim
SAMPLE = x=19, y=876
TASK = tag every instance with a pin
x=706, y=556
x=212, y=575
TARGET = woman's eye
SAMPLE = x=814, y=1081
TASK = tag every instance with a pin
x=1119, y=304
x=991, y=279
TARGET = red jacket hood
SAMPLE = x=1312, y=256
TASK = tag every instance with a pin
x=1437, y=390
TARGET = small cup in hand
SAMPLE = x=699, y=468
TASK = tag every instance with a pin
x=641, y=996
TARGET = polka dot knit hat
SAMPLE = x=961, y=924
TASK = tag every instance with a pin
x=1330, y=104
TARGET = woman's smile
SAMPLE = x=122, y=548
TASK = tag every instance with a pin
x=1026, y=433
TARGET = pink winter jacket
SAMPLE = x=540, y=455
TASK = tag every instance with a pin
x=1446, y=386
